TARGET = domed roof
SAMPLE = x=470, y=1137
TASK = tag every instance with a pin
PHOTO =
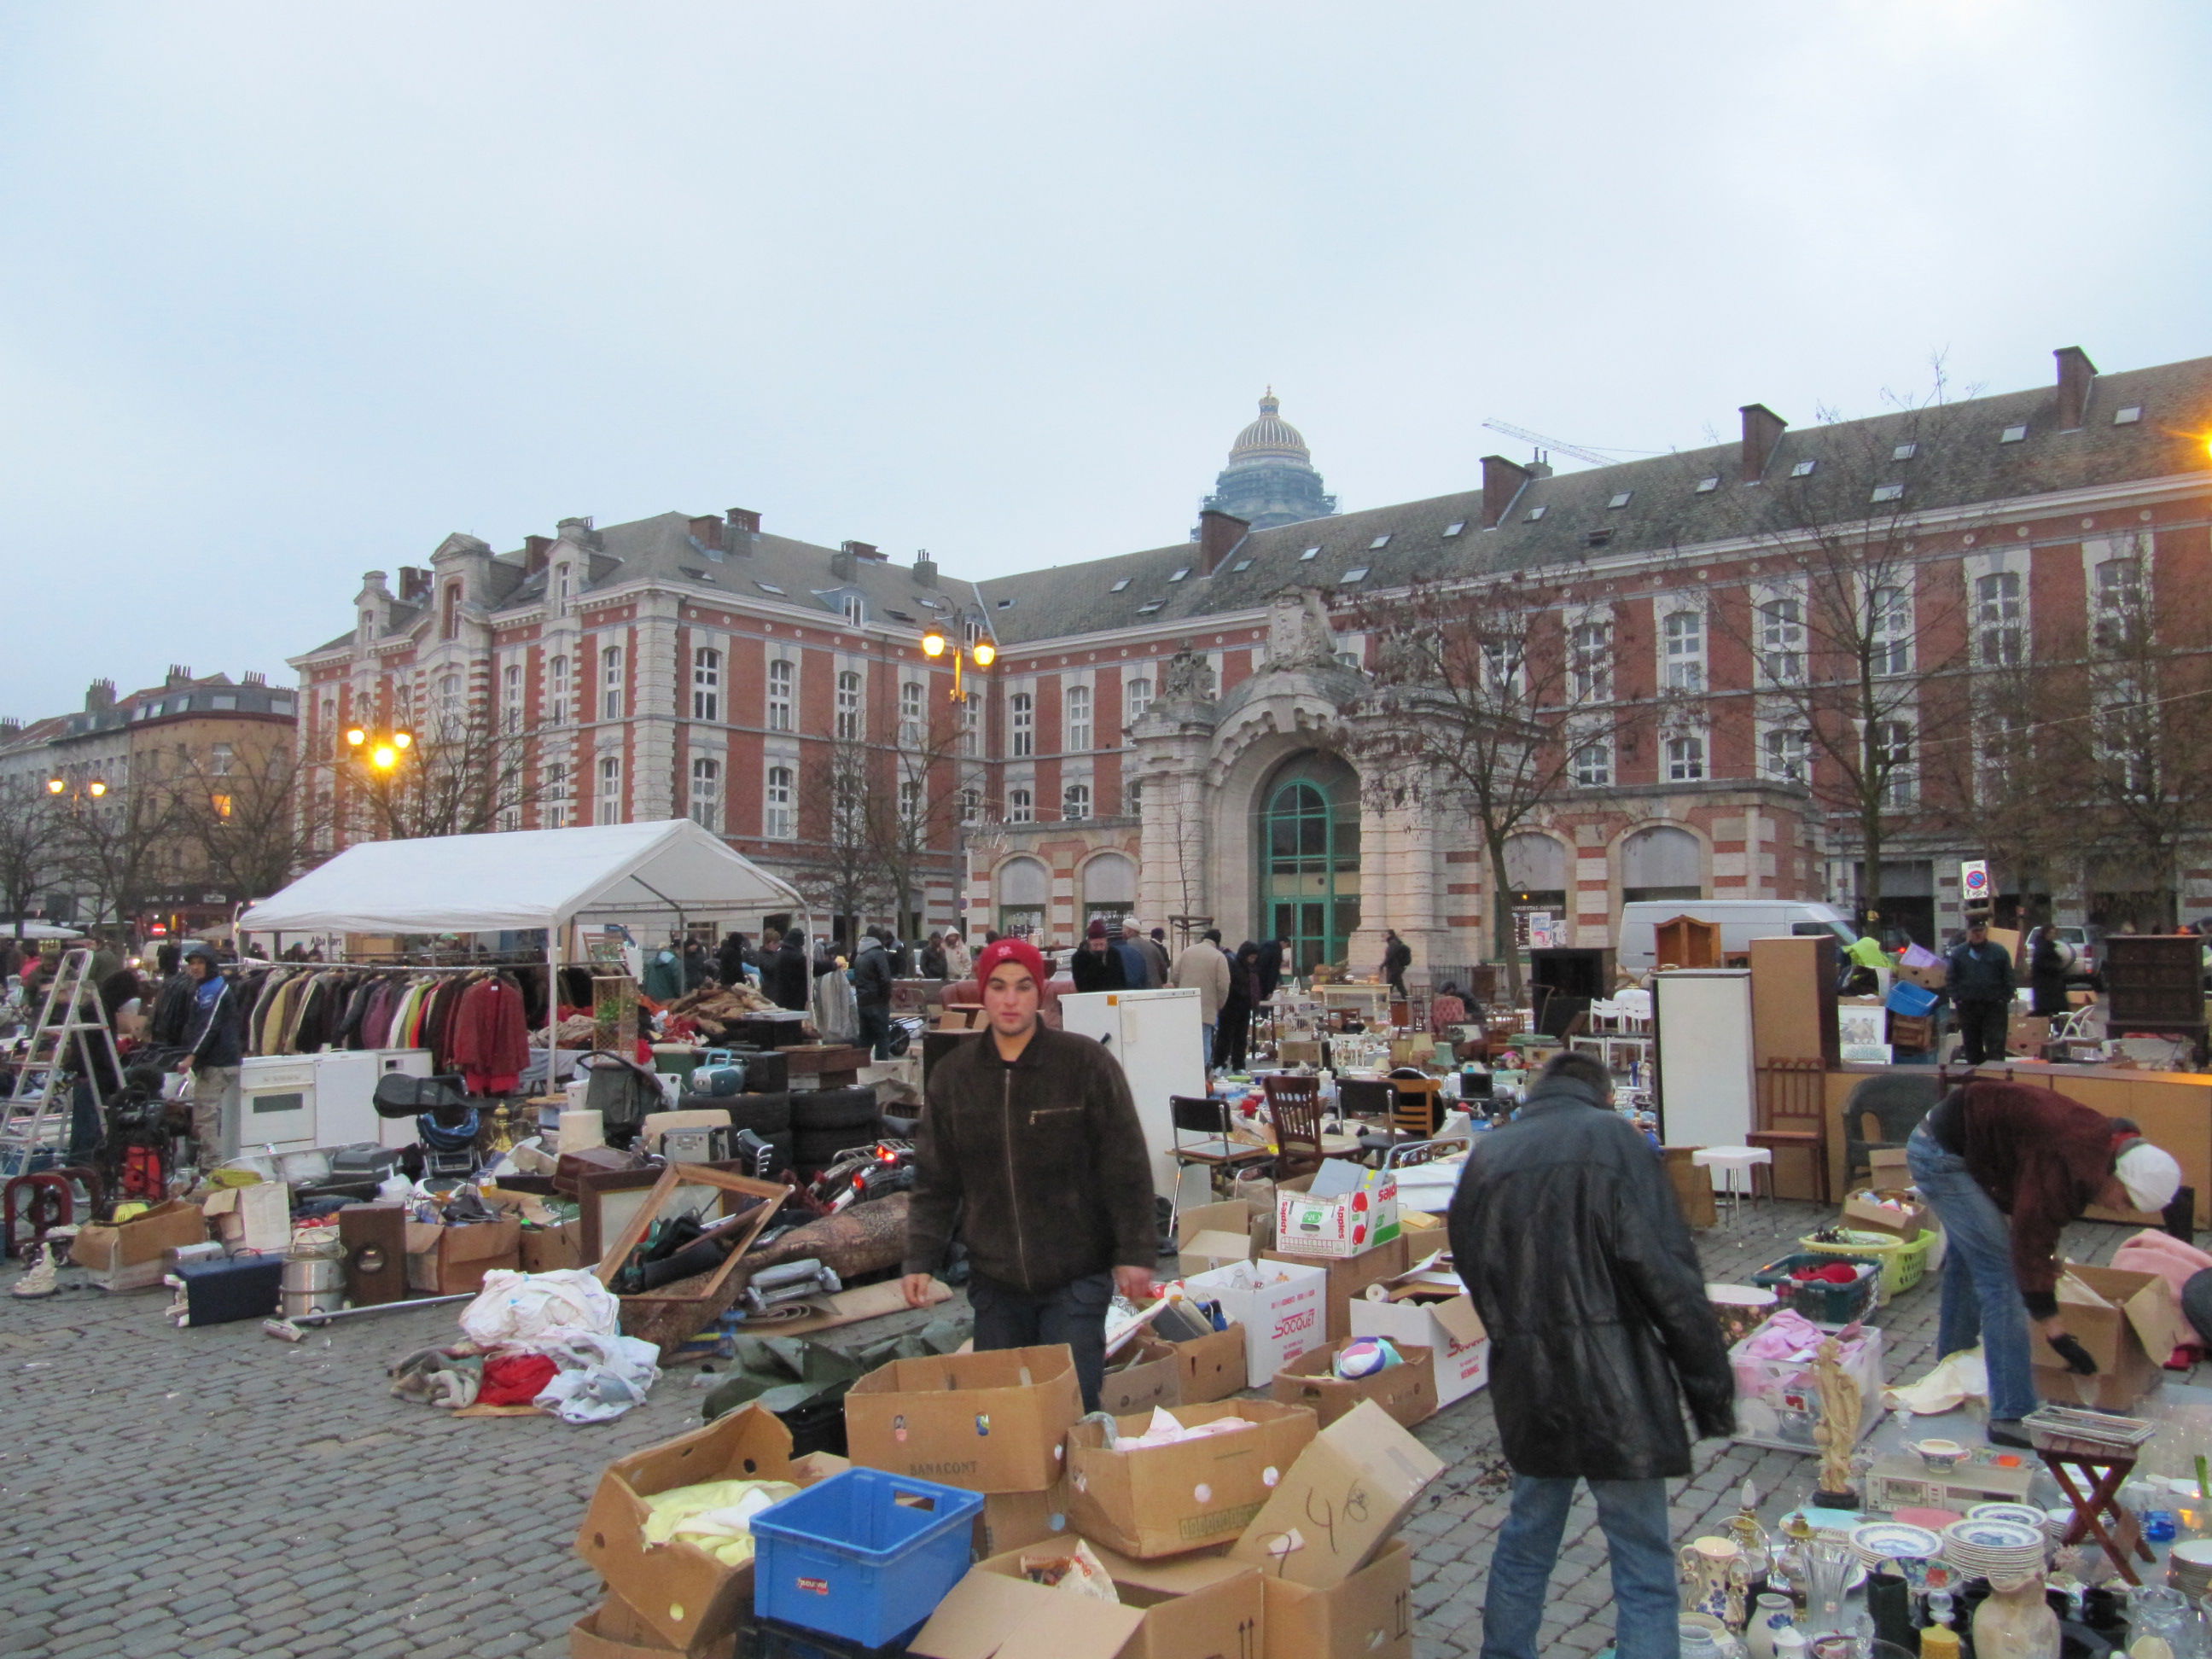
x=1270, y=438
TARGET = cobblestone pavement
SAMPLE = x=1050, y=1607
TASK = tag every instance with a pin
x=217, y=1494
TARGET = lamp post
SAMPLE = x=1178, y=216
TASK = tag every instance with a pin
x=93, y=789
x=935, y=644
x=379, y=754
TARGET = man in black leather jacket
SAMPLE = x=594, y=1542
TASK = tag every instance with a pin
x=1566, y=1232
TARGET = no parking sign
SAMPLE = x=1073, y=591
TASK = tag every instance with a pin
x=1974, y=882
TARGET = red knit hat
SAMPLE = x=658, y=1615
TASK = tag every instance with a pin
x=1018, y=952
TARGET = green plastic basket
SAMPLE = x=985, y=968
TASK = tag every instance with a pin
x=1902, y=1264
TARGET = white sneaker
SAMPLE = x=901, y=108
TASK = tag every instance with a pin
x=42, y=1278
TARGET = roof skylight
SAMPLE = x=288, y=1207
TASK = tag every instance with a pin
x=1903, y=451
x=1147, y=609
x=1382, y=540
x=2127, y=416
x=1534, y=514
x=1454, y=526
x=1706, y=486
x=770, y=588
x=1621, y=499
x=1310, y=553
x=1118, y=586
x=1358, y=573
x=1241, y=564
x=2011, y=434
x=1888, y=492
x=1180, y=575
x=1803, y=469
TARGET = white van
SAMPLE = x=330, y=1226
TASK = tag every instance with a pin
x=1742, y=921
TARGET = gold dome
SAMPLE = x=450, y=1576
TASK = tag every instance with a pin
x=1270, y=438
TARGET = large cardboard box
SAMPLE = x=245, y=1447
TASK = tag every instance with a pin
x=444, y=1260
x=685, y=1596
x=1888, y=1165
x=1148, y=1373
x=548, y=1250
x=984, y=1422
x=1345, y=1223
x=2130, y=1322
x=1451, y=1330
x=256, y=1217
x=1210, y=1236
x=1213, y=1366
x=1011, y=1520
x=1408, y=1392
x=613, y=1629
x=1166, y=1500
x=1368, y=1616
x=1283, y=1308
x=1194, y=1608
x=1349, y=1276
x=1341, y=1503
x=133, y=1255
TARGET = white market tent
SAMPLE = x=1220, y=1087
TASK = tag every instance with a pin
x=523, y=879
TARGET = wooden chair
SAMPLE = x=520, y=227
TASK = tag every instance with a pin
x=1793, y=1107
x=1294, y=1106
x=1415, y=1110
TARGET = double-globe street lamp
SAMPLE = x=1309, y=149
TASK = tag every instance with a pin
x=935, y=644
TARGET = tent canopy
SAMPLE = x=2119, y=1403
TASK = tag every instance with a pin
x=520, y=878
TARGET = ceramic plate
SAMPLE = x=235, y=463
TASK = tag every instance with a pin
x=1996, y=1537
x=2026, y=1514
x=1894, y=1538
x=2196, y=1552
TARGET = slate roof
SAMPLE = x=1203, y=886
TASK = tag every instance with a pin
x=1959, y=462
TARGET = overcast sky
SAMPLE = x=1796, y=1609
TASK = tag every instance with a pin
x=289, y=292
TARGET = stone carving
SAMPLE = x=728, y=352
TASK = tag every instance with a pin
x=1298, y=632
x=1188, y=678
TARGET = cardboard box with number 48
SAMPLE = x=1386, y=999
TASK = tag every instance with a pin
x=1341, y=1502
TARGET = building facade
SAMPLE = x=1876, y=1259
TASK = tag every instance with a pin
x=1165, y=732
x=139, y=788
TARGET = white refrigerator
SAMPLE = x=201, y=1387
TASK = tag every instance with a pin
x=1156, y=1035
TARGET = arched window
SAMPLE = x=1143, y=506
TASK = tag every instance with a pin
x=910, y=714
x=1536, y=871
x=450, y=623
x=849, y=706
x=1021, y=719
x=1018, y=807
x=610, y=683
x=1022, y=884
x=556, y=691
x=609, y=806
x=706, y=683
x=1138, y=697
x=780, y=674
x=1662, y=862
x=553, y=796
x=1110, y=887
x=1309, y=858
x=1075, y=716
x=707, y=793
x=777, y=823
x=1075, y=802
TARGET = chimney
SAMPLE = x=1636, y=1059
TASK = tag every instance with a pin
x=99, y=695
x=179, y=675
x=578, y=531
x=1502, y=480
x=1218, y=534
x=253, y=677
x=843, y=565
x=862, y=549
x=2077, y=376
x=10, y=727
x=373, y=581
x=1762, y=431
x=743, y=520
x=925, y=568
x=414, y=585
x=707, y=533
x=534, y=550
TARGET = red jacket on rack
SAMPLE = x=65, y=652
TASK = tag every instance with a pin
x=487, y=1039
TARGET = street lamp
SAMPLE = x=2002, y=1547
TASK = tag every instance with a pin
x=96, y=789
x=381, y=751
x=934, y=645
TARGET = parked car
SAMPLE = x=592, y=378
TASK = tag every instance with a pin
x=1741, y=921
x=2083, y=968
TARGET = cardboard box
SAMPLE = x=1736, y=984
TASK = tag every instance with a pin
x=1013, y=1520
x=613, y=1629
x=984, y=1422
x=548, y=1250
x=1213, y=1367
x=2130, y=1322
x=1932, y=977
x=1361, y=1216
x=1348, y=1278
x=1148, y=1373
x=683, y=1595
x=1167, y=1500
x=1887, y=1163
x=133, y=1256
x=1341, y=1502
x=1368, y=1616
x=1861, y=1211
x=1283, y=1308
x=444, y=1260
x=1194, y=1608
x=1210, y=1236
x=258, y=1217
x=1451, y=1330
x=1408, y=1392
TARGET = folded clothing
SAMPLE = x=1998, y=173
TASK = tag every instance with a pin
x=514, y=1379
x=716, y=1516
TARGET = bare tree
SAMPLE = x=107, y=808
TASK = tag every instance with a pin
x=1848, y=621
x=116, y=849
x=1993, y=773
x=914, y=823
x=252, y=819
x=1491, y=703
x=466, y=775
x=844, y=877
x=31, y=849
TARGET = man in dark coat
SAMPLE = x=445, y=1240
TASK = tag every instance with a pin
x=1979, y=979
x=1095, y=964
x=789, y=979
x=730, y=961
x=1397, y=956
x=871, y=992
x=1567, y=1233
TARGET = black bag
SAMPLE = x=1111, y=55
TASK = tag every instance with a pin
x=244, y=1287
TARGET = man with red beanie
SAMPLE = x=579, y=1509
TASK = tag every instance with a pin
x=1030, y=1150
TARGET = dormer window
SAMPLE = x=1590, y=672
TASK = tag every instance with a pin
x=855, y=609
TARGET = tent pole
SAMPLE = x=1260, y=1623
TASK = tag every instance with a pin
x=552, y=1004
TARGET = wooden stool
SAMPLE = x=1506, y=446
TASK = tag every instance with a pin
x=2105, y=1471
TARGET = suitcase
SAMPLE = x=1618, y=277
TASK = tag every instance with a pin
x=244, y=1287
x=767, y=1073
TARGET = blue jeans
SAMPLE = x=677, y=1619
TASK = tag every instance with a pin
x=1205, y=1047
x=1981, y=1296
x=1074, y=1313
x=1634, y=1516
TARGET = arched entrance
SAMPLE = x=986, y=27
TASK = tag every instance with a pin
x=1308, y=855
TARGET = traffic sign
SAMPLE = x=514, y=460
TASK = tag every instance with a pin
x=1974, y=880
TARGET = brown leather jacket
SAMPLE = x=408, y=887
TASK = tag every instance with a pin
x=1039, y=1166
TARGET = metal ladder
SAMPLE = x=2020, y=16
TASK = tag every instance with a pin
x=35, y=1117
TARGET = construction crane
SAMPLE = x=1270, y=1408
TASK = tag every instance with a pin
x=1543, y=442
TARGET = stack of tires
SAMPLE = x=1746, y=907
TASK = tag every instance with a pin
x=808, y=1129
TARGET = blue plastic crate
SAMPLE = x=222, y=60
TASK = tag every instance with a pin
x=865, y=1555
x=1911, y=1000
